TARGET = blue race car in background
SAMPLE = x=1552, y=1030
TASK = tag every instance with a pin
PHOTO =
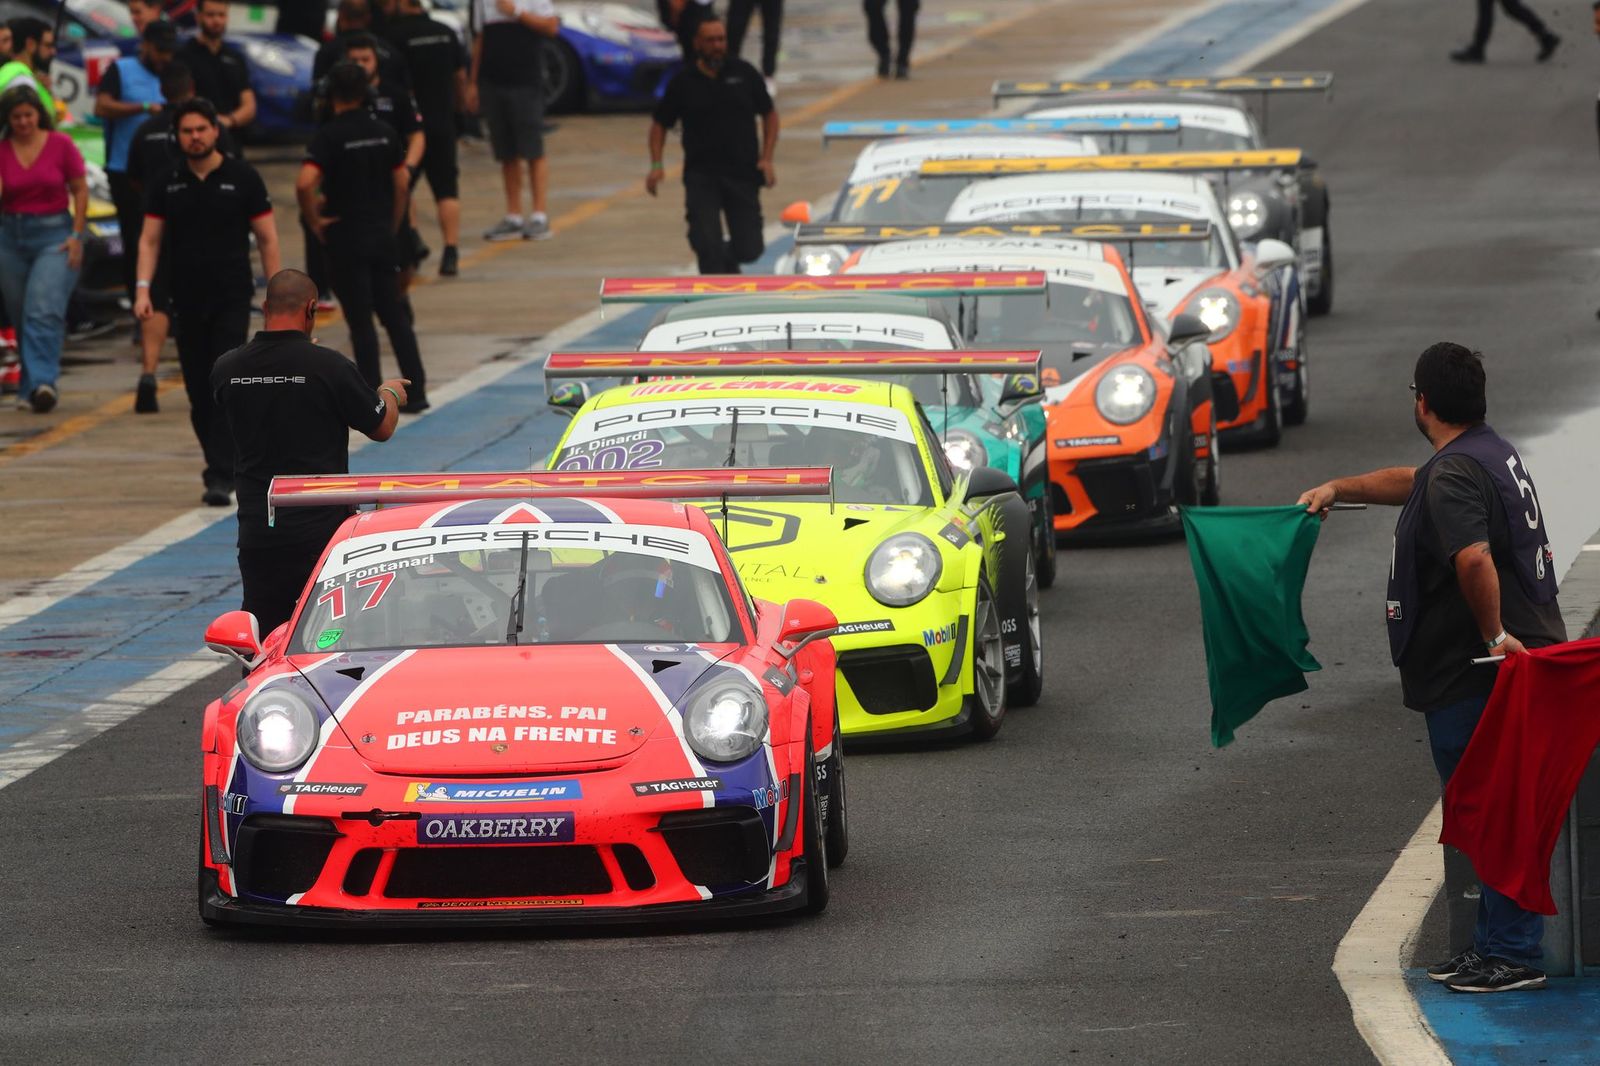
x=607, y=55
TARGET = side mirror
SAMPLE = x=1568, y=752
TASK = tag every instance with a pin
x=1273, y=255
x=568, y=396
x=987, y=481
x=1186, y=328
x=1020, y=387
x=796, y=213
x=1224, y=396
x=238, y=634
x=803, y=622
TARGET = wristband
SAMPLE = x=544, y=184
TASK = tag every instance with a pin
x=1497, y=641
x=141, y=284
x=391, y=392
x=657, y=165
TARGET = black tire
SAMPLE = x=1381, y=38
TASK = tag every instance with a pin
x=816, y=840
x=986, y=707
x=1045, y=550
x=836, y=819
x=562, y=73
x=1299, y=405
x=1322, y=302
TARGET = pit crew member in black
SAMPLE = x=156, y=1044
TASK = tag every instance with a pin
x=438, y=67
x=290, y=406
x=360, y=168
x=718, y=100
x=200, y=216
x=218, y=66
x=394, y=106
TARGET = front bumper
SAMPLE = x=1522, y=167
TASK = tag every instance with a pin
x=912, y=677
x=1115, y=494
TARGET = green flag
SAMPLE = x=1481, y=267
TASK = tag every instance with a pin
x=1250, y=564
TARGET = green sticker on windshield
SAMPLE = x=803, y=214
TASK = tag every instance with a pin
x=328, y=638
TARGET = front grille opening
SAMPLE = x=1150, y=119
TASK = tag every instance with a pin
x=1119, y=489
x=718, y=845
x=1059, y=502
x=471, y=872
x=279, y=855
x=363, y=868
x=635, y=867
x=891, y=680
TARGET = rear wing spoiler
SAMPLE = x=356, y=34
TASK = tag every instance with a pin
x=1318, y=81
x=705, y=287
x=1129, y=230
x=878, y=129
x=1263, y=159
x=827, y=364
x=351, y=490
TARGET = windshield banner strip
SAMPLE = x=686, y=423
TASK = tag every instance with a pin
x=705, y=287
x=1319, y=81
x=828, y=364
x=401, y=549
x=875, y=130
x=1122, y=230
x=1262, y=159
x=622, y=419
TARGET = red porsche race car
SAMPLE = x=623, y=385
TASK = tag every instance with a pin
x=525, y=697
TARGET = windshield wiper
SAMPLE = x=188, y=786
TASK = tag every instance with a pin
x=514, y=626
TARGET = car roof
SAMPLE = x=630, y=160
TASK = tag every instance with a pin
x=495, y=512
x=870, y=304
x=1183, y=195
x=899, y=156
x=753, y=385
x=1075, y=262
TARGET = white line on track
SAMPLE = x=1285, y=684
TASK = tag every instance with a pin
x=1372, y=957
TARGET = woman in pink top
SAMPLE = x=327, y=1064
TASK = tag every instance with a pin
x=41, y=244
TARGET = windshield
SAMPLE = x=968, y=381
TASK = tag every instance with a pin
x=1073, y=313
x=907, y=198
x=457, y=585
x=871, y=449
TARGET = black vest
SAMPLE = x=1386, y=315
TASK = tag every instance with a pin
x=1530, y=546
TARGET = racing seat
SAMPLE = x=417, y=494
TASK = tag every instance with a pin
x=569, y=604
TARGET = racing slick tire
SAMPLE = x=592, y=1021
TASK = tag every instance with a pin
x=816, y=841
x=1322, y=302
x=562, y=73
x=1298, y=405
x=1045, y=548
x=837, y=818
x=986, y=706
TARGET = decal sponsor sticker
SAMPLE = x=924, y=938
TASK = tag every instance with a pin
x=1088, y=442
x=877, y=625
x=328, y=638
x=941, y=635
x=481, y=904
x=496, y=792
x=683, y=784
x=835, y=414
x=955, y=535
x=234, y=803
x=1392, y=610
x=321, y=788
x=769, y=795
x=537, y=734
x=371, y=552
x=519, y=828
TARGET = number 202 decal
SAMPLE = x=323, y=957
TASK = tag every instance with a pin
x=640, y=454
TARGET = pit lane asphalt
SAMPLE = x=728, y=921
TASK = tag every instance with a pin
x=1095, y=885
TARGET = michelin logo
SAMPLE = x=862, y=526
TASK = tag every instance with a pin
x=500, y=792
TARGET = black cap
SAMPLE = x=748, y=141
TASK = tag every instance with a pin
x=161, y=36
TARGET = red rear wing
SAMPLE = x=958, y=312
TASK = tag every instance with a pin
x=826, y=364
x=350, y=490
x=706, y=287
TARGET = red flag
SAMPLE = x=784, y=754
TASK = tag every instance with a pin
x=1506, y=802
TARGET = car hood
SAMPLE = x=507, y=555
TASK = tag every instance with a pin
x=785, y=551
x=1165, y=288
x=505, y=710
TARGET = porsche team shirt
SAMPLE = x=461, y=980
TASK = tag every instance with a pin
x=719, y=118
x=433, y=53
x=220, y=76
x=291, y=405
x=394, y=106
x=206, y=232
x=357, y=155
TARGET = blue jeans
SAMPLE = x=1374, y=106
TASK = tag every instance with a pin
x=1504, y=930
x=35, y=283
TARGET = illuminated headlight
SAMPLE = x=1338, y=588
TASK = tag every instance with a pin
x=1247, y=214
x=1125, y=394
x=1218, y=309
x=818, y=262
x=964, y=451
x=903, y=569
x=268, y=57
x=277, y=730
x=726, y=721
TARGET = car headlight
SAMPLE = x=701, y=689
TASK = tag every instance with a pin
x=819, y=262
x=964, y=451
x=1247, y=214
x=268, y=57
x=726, y=721
x=1218, y=309
x=1125, y=394
x=277, y=730
x=903, y=569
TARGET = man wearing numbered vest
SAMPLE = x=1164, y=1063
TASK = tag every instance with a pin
x=1471, y=576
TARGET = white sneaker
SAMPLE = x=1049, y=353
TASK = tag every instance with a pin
x=537, y=228
x=507, y=229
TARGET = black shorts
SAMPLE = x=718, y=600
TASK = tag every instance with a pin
x=515, y=117
x=439, y=161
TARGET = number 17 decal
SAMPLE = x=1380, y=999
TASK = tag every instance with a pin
x=380, y=583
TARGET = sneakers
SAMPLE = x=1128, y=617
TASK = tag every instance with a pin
x=883, y=66
x=215, y=496
x=1496, y=975
x=1466, y=962
x=449, y=262
x=1469, y=54
x=144, y=398
x=902, y=71
x=507, y=229
x=1547, y=46
x=10, y=377
x=43, y=399
x=537, y=228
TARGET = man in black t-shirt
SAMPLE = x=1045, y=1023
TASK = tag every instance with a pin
x=394, y=106
x=507, y=89
x=718, y=100
x=200, y=217
x=290, y=407
x=352, y=190
x=438, y=68
x=218, y=67
x=1469, y=578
